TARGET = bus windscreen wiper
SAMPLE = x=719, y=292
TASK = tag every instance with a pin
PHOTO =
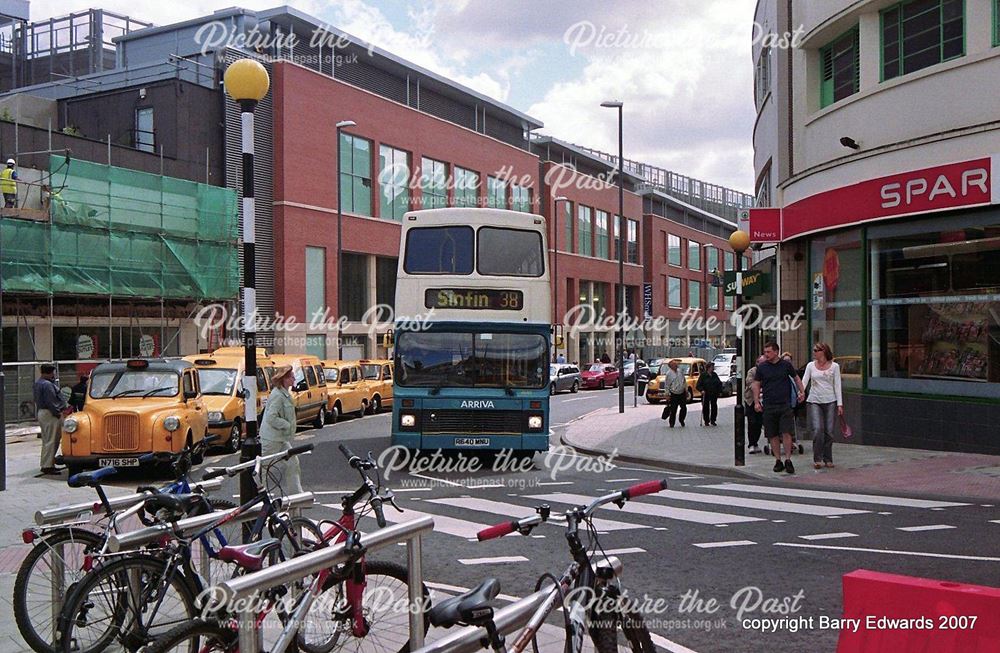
x=437, y=388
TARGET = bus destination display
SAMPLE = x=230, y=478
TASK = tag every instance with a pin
x=474, y=298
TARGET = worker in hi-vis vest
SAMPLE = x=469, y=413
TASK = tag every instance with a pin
x=8, y=184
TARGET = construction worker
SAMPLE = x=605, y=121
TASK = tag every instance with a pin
x=8, y=184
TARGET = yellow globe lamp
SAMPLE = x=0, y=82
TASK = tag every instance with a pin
x=739, y=240
x=246, y=79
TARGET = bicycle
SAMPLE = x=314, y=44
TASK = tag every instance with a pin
x=128, y=599
x=342, y=619
x=56, y=561
x=597, y=603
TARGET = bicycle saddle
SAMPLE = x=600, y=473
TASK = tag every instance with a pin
x=249, y=556
x=175, y=506
x=473, y=607
x=90, y=478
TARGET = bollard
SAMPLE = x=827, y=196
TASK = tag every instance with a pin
x=739, y=416
x=415, y=577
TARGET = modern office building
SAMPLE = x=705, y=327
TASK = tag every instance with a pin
x=876, y=136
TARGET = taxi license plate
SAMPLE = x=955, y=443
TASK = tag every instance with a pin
x=472, y=442
x=118, y=462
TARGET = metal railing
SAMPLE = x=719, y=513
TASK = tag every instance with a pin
x=235, y=589
x=80, y=511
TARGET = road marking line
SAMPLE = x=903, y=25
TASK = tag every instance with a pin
x=931, y=527
x=986, y=505
x=902, y=553
x=618, y=552
x=337, y=492
x=492, y=561
x=436, y=480
x=621, y=480
x=554, y=483
x=836, y=496
x=411, y=489
x=757, y=504
x=442, y=523
x=778, y=521
x=497, y=508
x=670, y=646
x=566, y=401
x=833, y=516
x=995, y=521
x=885, y=513
x=716, y=545
x=679, y=478
x=826, y=536
x=652, y=510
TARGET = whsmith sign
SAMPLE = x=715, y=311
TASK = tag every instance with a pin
x=754, y=283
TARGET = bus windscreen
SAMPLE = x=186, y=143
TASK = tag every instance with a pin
x=471, y=360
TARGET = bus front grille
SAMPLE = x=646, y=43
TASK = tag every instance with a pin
x=472, y=421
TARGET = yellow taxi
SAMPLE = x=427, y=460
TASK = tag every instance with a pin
x=377, y=375
x=221, y=377
x=309, y=391
x=691, y=368
x=346, y=388
x=133, y=408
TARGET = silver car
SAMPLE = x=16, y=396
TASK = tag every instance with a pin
x=563, y=377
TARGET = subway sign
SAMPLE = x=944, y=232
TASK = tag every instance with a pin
x=474, y=299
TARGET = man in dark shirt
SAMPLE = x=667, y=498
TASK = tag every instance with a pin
x=79, y=395
x=49, y=405
x=772, y=395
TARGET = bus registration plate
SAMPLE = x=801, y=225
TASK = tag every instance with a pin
x=472, y=442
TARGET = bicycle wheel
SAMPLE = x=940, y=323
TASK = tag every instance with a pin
x=198, y=636
x=52, y=566
x=604, y=629
x=327, y=626
x=124, y=605
x=229, y=533
x=297, y=534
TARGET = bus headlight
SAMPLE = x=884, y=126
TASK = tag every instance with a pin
x=215, y=416
x=172, y=423
x=407, y=420
x=70, y=425
x=535, y=422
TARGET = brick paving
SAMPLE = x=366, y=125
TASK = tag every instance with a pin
x=639, y=435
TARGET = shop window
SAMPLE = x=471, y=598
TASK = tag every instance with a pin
x=840, y=69
x=836, y=283
x=935, y=308
x=354, y=286
x=385, y=286
x=921, y=33
x=355, y=175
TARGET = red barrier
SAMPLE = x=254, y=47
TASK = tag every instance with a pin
x=917, y=615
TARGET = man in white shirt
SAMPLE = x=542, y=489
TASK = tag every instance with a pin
x=676, y=384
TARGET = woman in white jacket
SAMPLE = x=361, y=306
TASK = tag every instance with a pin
x=825, y=402
x=277, y=430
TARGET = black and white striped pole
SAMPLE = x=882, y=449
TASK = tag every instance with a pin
x=247, y=82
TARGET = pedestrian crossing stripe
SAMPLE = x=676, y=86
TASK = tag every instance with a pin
x=498, y=509
x=835, y=496
x=652, y=510
x=827, y=536
x=931, y=527
x=757, y=504
x=718, y=545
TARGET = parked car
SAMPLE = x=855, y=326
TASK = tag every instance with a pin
x=346, y=388
x=630, y=368
x=725, y=367
x=600, y=375
x=309, y=391
x=564, y=377
x=377, y=375
x=133, y=408
x=691, y=368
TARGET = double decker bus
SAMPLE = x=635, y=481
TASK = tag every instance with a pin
x=472, y=333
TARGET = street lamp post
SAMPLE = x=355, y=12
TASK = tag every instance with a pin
x=247, y=82
x=622, y=236
x=739, y=241
x=555, y=267
x=340, y=250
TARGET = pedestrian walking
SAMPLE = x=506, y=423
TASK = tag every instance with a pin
x=771, y=379
x=50, y=407
x=710, y=386
x=676, y=385
x=754, y=422
x=278, y=428
x=605, y=358
x=8, y=184
x=561, y=359
x=825, y=402
x=78, y=393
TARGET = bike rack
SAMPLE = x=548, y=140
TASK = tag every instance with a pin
x=410, y=532
x=81, y=511
x=507, y=619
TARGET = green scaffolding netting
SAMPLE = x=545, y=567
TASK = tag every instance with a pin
x=127, y=233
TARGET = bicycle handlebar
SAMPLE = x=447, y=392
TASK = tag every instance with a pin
x=236, y=469
x=499, y=530
x=641, y=489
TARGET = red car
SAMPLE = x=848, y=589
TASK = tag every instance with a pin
x=600, y=375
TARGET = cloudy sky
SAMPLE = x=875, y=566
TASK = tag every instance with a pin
x=682, y=67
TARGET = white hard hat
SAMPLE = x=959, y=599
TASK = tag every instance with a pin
x=11, y=162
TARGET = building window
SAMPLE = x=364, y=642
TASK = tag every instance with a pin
x=996, y=23
x=935, y=313
x=434, y=183
x=602, y=234
x=385, y=286
x=496, y=193
x=840, y=68
x=694, y=294
x=145, y=137
x=713, y=298
x=618, y=238
x=355, y=174
x=393, y=182
x=315, y=282
x=633, y=242
x=354, y=286
x=584, y=231
x=763, y=197
x=836, y=281
x=520, y=198
x=762, y=76
x=694, y=255
x=712, y=257
x=921, y=33
x=316, y=346
x=568, y=222
x=673, y=292
x=466, y=188
x=730, y=260
x=674, y=250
